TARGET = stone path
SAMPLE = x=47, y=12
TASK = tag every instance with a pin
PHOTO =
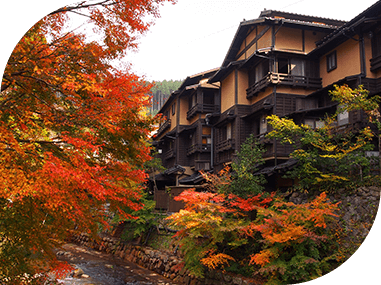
x=98, y=268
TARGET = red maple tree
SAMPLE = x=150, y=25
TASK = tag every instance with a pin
x=73, y=131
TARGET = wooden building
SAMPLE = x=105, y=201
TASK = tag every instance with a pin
x=280, y=63
x=267, y=71
x=184, y=140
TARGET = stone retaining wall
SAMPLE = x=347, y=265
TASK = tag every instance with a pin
x=357, y=210
x=163, y=263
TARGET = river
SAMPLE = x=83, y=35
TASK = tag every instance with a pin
x=97, y=268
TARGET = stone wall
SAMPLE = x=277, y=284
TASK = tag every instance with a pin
x=163, y=263
x=358, y=209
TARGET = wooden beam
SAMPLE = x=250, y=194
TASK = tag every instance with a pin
x=260, y=35
x=236, y=87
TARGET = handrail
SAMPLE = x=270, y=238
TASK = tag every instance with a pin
x=199, y=148
x=375, y=63
x=225, y=145
x=202, y=108
x=283, y=79
x=169, y=154
x=164, y=126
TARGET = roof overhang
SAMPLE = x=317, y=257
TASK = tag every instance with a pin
x=366, y=19
x=223, y=71
x=280, y=168
x=192, y=179
x=192, y=80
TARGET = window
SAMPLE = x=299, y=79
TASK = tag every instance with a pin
x=229, y=131
x=206, y=140
x=310, y=123
x=319, y=124
x=283, y=65
x=342, y=117
x=313, y=123
x=293, y=66
x=193, y=100
x=261, y=71
x=331, y=61
x=258, y=72
x=263, y=125
x=208, y=96
x=297, y=67
x=173, y=108
x=193, y=138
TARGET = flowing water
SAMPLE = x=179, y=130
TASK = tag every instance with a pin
x=97, y=268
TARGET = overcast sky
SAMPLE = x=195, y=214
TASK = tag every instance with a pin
x=195, y=35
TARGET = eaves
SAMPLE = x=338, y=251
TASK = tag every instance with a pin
x=348, y=30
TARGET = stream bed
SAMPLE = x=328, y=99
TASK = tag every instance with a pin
x=97, y=268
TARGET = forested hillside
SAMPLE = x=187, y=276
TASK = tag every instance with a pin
x=161, y=92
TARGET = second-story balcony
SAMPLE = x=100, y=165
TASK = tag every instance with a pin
x=198, y=148
x=202, y=108
x=225, y=145
x=169, y=154
x=163, y=127
x=283, y=79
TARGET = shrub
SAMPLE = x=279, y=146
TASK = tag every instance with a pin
x=283, y=241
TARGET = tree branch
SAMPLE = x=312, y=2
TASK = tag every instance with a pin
x=8, y=78
x=83, y=5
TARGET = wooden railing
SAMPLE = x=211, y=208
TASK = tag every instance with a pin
x=202, y=108
x=198, y=148
x=375, y=63
x=169, y=154
x=164, y=126
x=225, y=145
x=283, y=79
x=259, y=86
x=202, y=165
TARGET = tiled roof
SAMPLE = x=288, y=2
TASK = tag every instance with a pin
x=301, y=18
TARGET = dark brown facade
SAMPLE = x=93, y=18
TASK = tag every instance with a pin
x=184, y=140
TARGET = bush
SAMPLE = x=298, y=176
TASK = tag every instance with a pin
x=284, y=242
x=144, y=219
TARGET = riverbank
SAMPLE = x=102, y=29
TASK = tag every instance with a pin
x=165, y=264
x=93, y=267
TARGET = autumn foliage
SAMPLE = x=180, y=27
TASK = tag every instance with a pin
x=297, y=246
x=73, y=131
x=279, y=240
x=332, y=157
x=210, y=222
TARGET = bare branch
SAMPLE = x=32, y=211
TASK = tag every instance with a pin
x=83, y=5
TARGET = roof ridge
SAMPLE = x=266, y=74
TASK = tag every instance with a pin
x=300, y=17
x=315, y=23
